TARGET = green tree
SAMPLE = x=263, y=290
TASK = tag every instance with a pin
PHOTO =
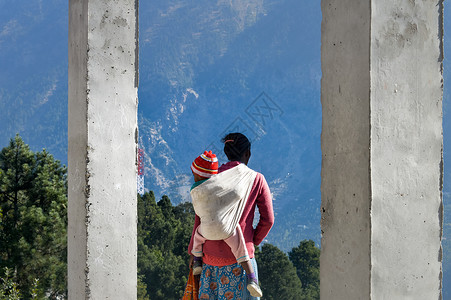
x=142, y=289
x=277, y=275
x=33, y=220
x=305, y=258
x=164, y=232
x=8, y=287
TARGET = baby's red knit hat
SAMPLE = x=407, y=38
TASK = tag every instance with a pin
x=205, y=165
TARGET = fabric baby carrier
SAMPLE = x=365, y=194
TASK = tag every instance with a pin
x=219, y=202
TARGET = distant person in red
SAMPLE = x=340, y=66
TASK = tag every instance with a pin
x=222, y=276
x=203, y=168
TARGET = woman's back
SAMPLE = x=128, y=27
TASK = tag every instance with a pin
x=217, y=253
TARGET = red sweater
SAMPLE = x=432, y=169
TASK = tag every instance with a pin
x=217, y=253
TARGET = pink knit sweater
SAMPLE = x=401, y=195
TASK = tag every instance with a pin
x=217, y=253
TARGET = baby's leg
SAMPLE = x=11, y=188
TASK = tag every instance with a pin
x=247, y=266
x=198, y=242
x=238, y=246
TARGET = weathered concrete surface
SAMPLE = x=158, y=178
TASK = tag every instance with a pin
x=406, y=149
x=102, y=149
x=345, y=143
x=381, y=142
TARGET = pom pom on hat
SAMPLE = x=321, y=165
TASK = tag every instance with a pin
x=205, y=165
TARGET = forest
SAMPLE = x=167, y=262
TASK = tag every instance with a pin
x=33, y=238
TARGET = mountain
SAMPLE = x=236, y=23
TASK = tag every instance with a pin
x=242, y=66
x=205, y=69
x=33, y=76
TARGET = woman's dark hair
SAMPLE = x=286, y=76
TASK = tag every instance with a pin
x=235, y=145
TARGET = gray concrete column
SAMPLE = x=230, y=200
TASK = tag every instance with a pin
x=382, y=149
x=102, y=251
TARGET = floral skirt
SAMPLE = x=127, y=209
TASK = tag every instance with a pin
x=225, y=283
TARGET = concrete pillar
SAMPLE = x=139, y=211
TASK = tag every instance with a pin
x=103, y=55
x=382, y=149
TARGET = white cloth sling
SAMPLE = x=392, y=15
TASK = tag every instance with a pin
x=219, y=202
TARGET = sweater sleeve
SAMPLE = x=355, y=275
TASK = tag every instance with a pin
x=264, y=204
x=196, y=223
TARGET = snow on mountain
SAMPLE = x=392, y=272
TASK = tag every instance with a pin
x=248, y=66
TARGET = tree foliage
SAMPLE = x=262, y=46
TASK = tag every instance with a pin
x=164, y=232
x=8, y=287
x=33, y=243
x=33, y=219
x=305, y=258
x=277, y=275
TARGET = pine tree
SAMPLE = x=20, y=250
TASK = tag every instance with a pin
x=142, y=289
x=305, y=258
x=33, y=219
x=164, y=232
x=277, y=275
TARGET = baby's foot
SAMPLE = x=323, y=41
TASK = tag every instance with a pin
x=254, y=288
x=197, y=267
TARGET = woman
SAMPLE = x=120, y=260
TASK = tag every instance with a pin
x=222, y=277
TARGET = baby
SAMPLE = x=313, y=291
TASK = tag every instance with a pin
x=203, y=167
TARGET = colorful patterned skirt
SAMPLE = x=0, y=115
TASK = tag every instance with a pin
x=225, y=283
